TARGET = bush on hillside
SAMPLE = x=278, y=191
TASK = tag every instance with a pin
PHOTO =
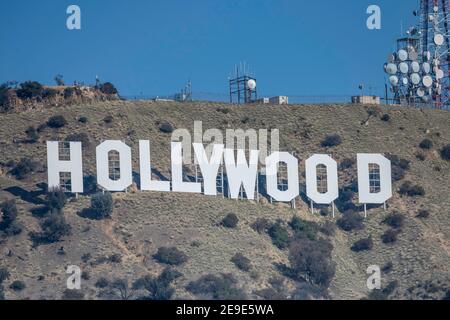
x=230, y=221
x=331, y=140
x=170, y=255
x=102, y=205
x=56, y=122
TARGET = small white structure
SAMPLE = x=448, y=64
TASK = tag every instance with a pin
x=279, y=100
x=366, y=100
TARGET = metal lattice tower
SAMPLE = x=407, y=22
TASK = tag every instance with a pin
x=434, y=28
x=419, y=71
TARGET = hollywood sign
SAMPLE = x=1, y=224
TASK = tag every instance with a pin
x=240, y=172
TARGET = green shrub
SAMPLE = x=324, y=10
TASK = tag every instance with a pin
x=280, y=236
x=108, y=88
x=426, y=144
x=56, y=122
x=102, y=205
x=166, y=127
x=108, y=119
x=9, y=213
x=423, y=214
x=54, y=227
x=102, y=283
x=385, y=117
x=17, y=285
x=331, y=140
x=445, y=152
x=230, y=221
x=170, y=255
x=350, y=220
x=29, y=90
x=24, y=168
x=408, y=189
x=303, y=228
x=56, y=200
x=312, y=260
x=32, y=134
x=158, y=288
x=83, y=119
x=4, y=274
x=390, y=236
x=219, y=287
x=395, y=220
x=242, y=262
x=363, y=244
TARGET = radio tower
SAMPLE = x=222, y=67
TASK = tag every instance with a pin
x=419, y=71
x=434, y=27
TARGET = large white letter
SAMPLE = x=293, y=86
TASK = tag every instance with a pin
x=374, y=21
x=147, y=184
x=56, y=166
x=209, y=168
x=385, y=180
x=103, y=178
x=272, y=162
x=241, y=173
x=178, y=185
x=311, y=179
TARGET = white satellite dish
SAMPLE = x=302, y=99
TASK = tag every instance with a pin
x=403, y=67
x=413, y=55
x=439, y=39
x=426, y=67
x=405, y=81
x=402, y=55
x=251, y=84
x=430, y=17
x=439, y=74
x=420, y=92
x=415, y=66
x=393, y=80
x=415, y=78
x=391, y=68
x=427, y=81
x=435, y=8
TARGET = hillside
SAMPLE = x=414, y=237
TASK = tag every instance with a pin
x=142, y=222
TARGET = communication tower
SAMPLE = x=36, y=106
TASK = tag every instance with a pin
x=242, y=86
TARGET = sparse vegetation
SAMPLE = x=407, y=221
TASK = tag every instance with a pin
x=171, y=256
x=54, y=227
x=303, y=228
x=385, y=117
x=158, y=288
x=108, y=88
x=408, y=189
x=17, y=285
x=242, y=262
x=219, y=287
x=32, y=134
x=423, y=214
x=8, y=223
x=350, y=220
x=261, y=225
x=30, y=90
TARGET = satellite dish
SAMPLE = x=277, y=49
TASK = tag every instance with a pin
x=420, y=92
x=439, y=90
x=439, y=39
x=251, y=84
x=405, y=81
x=415, y=78
x=403, y=67
x=391, y=68
x=426, y=55
x=402, y=55
x=415, y=66
x=439, y=74
x=435, y=8
x=427, y=81
x=426, y=67
x=393, y=80
x=425, y=98
x=430, y=18
x=436, y=62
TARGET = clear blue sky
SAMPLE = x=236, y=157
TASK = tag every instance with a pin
x=295, y=47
